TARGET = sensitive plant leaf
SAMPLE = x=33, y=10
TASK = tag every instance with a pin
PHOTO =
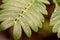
x=22, y=14
x=44, y=1
x=17, y=31
x=55, y=19
x=6, y=24
x=25, y=27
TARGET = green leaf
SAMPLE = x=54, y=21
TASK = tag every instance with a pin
x=6, y=24
x=22, y=14
x=55, y=19
x=44, y=1
x=17, y=32
x=25, y=27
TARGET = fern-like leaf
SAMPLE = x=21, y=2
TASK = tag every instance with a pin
x=55, y=19
x=22, y=14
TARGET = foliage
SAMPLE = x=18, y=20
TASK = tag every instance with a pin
x=22, y=14
x=55, y=19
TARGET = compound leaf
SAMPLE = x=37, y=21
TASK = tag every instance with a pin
x=22, y=14
x=55, y=18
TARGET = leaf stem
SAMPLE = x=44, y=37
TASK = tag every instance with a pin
x=27, y=8
x=23, y=12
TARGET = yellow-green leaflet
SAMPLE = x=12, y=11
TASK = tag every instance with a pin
x=55, y=18
x=22, y=15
